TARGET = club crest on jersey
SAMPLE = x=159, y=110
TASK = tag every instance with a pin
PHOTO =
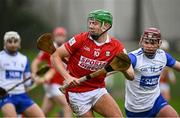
x=72, y=41
x=86, y=48
x=108, y=53
x=96, y=52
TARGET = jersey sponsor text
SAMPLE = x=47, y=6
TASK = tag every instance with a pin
x=90, y=64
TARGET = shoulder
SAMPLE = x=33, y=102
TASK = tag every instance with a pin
x=161, y=54
x=160, y=51
x=42, y=53
x=22, y=56
x=137, y=52
x=82, y=35
x=133, y=55
x=2, y=52
x=116, y=42
x=78, y=38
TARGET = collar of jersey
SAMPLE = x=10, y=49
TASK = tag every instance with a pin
x=100, y=44
x=5, y=50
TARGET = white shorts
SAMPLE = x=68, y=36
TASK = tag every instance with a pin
x=164, y=87
x=83, y=102
x=52, y=90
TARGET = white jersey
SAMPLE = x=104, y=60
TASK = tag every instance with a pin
x=13, y=69
x=142, y=92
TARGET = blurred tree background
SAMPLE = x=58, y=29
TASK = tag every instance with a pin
x=15, y=17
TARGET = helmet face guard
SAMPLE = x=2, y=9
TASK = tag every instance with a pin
x=152, y=37
x=103, y=17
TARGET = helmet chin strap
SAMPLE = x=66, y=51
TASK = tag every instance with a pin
x=96, y=36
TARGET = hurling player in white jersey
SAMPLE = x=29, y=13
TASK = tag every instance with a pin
x=143, y=98
x=14, y=67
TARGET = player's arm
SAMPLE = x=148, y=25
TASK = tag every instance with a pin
x=171, y=62
x=171, y=76
x=34, y=66
x=177, y=66
x=27, y=74
x=57, y=61
x=129, y=73
x=46, y=77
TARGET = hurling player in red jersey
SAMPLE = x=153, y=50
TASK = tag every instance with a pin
x=89, y=52
x=52, y=78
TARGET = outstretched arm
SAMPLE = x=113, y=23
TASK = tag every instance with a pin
x=176, y=66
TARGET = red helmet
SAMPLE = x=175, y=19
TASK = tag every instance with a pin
x=152, y=34
x=59, y=31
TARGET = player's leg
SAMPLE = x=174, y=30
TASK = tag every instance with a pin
x=167, y=111
x=34, y=111
x=165, y=91
x=166, y=94
x=81, y=103
x=61, y=101
x=27, y=106
x=47, y=105
x=89, y=114
x=8, y=110
x=107, y=107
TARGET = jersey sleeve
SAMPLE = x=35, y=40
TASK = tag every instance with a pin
x=170, y=60
x=74, y=43
x=27, y=72
x=133, y=59
x=43, y=56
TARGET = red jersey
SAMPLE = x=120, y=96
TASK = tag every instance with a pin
x=88, y=56
x=57, y=78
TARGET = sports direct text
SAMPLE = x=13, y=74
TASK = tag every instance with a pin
x=90, y=64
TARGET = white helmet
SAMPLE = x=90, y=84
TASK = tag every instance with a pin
x=11, y=34
x=165, y=45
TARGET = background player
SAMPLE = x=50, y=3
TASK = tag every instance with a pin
x=53, y=80
x=14, y=67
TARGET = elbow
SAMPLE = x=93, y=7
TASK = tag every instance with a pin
x=131, y=78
